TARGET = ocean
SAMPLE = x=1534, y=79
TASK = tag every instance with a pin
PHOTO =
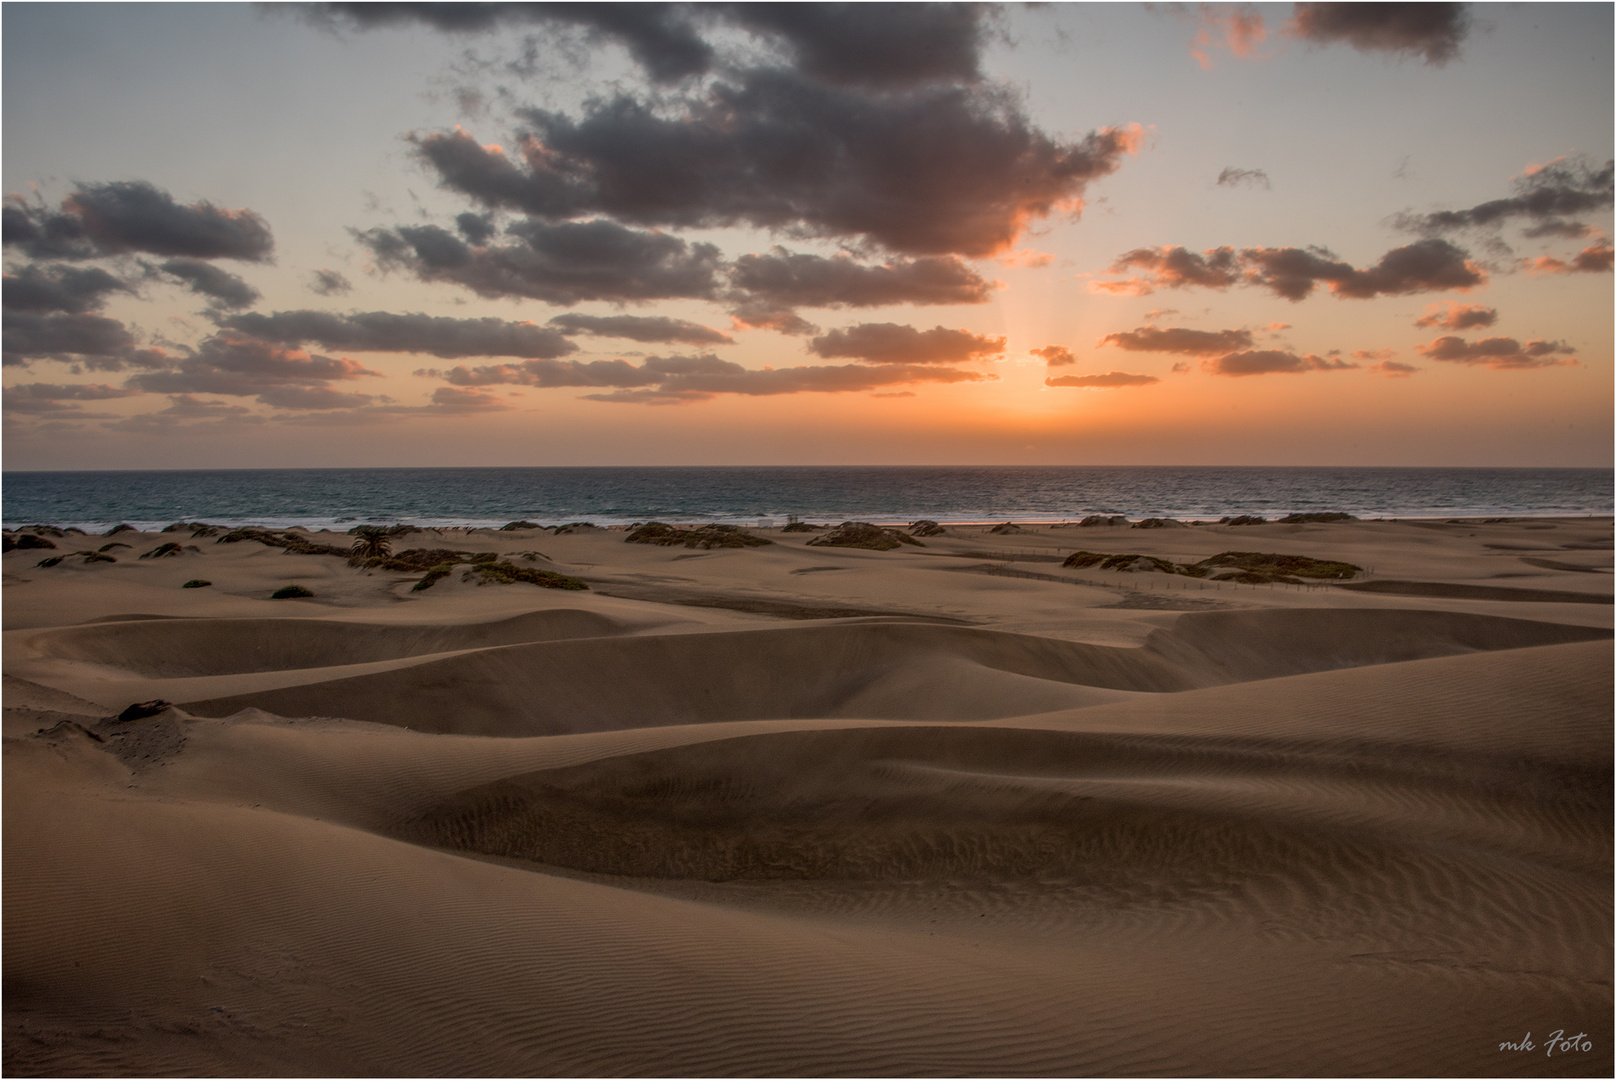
x=342, y=498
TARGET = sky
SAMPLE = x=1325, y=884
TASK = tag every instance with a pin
x=682, y=234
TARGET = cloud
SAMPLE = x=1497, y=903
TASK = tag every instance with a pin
x=1272, y=362
x=1111, y=380
x=1173, y=268
x=330, y=283
x=1391, y=369
x=187, y=411
x=1451, y=316
x=61, y=401
x=381, y=331
x=97, y=342
x=1055, y=355
x=455, y=399
x=559, y=264
x=646, y=328
x=1424, y=266
x=890, y=343
x=660, y=37
x=238, y=366
x=225, y=289
x=665, y=380
x=1431, y=31
x=926, y=171
x=1594, y=259
x=1543, y=195
x=1499, y=353
x=59, y=288
x=770, y=286
x=1239, y=30
x=134, y=216
x=1153, y=339
x=1253, y=178
x=843, y=44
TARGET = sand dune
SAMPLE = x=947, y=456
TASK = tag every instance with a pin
x=495, y=831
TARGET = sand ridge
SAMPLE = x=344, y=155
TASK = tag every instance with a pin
x=1054, y=826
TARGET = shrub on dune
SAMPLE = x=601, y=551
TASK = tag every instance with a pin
x=861, y=534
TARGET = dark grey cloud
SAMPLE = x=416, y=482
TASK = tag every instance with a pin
x=1500, y=353
x=330, y=283
x=239, y=366
x=1430, y=265
x=381, y=331
x=1273, y=362
x=769, y=287
x=95, y=341
x=676, y=379
x=134, y=216
x=931, y=170
x=1254, y=178
x=1544, y=196
x=559, y=264
x=891, y=343
x=1173, y=339
x=1173, y=268
x=1111, y=380
x=878, y=44
x=661, y=37
x=1431, y=31
x=648, y=328
x=1457, y=316
x=59, y=288
x=61, y=401
x=225, y=289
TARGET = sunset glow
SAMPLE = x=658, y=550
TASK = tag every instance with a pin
x=1073, y=234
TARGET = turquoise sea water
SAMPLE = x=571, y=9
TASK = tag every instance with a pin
x=341, y=498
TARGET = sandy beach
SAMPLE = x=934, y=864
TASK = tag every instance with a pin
x=951, y=808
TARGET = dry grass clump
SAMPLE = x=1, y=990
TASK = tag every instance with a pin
x=1243, y=519
x=1286, y=568
x=926, y=527
x=87, y=556
x=1245, y=567
x=1006, y=528
x=708, y=536
x=514, y=526
x=1312, y=519
x=507, y=573
x=297, y=545
x=25, y=541
x=197, y=528
x=196, y=583
x=861, y=534
x=290, y=592
x=1094, y=521
x=1160, y=523
x=165, y=551
x=116, y=529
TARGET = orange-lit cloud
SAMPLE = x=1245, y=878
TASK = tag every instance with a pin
x=1594, y=259
x=1451, y=316
x=1175, y=339
x=1392, y=369
x=1271, y=362
x=1239, y=31
x=1055, y=355
x=891, y=343
x=1111, y=380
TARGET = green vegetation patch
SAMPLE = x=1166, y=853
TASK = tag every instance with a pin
x=25, y=541
x=507, y=573
x=196, y=583
x=1243, y=519
x=1276, y=566
x=433, y=576
x=290, y=592
x=164, y=551
x=861, y=534
x=708, y=536
x=293, y=543
x=1313, y=519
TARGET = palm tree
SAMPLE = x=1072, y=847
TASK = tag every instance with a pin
x=371, y=542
